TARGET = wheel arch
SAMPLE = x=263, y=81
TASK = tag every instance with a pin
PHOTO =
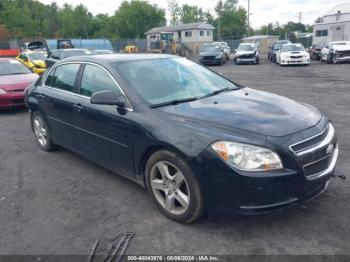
x=149, y=151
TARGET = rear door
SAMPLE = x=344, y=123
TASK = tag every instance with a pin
x=58, y=97
x=103, y=131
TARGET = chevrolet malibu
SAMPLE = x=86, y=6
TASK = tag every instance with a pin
x=14, y=79
x=195, y=140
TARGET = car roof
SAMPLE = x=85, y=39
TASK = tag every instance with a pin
x=247, y=44
x=112, y=58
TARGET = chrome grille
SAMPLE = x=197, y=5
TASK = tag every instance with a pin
x=317, y=154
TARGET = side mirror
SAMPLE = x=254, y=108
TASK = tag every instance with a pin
x=108, y=98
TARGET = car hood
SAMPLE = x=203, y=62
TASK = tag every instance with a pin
x=341, y=47
x=249, y=110
x=40, y=63
x=13, y=82
x=209, y=53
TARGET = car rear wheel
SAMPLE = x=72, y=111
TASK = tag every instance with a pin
x=41, y=131
x=173, y=187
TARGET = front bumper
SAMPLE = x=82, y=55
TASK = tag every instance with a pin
x=215, y=61
x=228, y=190
x=295, y=61
x=246, y=60
x=343, y=59
x=12, y=100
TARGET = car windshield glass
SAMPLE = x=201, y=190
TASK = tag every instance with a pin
x=12, y=67
x=210, y=48
x=246, y=48
x=291, y=48
x=76, y=53
x=36, y=56
x=164, y=80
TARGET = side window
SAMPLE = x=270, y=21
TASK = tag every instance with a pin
x=95, y=79
x=64, y=77
x=49, y=79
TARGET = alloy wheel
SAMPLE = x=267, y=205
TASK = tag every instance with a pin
x=40, y=130
x=170, y=187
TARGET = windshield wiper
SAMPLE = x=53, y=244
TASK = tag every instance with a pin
x=175, y=102
x=219, y=91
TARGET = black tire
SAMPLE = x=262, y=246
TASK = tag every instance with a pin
x=49, y=145
x=329, y=59
x=257, y=61
x=227, y=58
x=196, y=203
x=235, y=61
x=274, y=58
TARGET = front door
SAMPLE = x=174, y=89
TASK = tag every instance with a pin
x=103, y=131
x=58, y=98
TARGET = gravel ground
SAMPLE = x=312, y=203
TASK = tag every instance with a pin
x=59, y=203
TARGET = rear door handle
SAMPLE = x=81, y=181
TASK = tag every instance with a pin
x=41, y=96
x=78, y=107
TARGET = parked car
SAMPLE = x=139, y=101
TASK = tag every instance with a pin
x=226, y=49
x=35, y=46
x=14, y=79
x=276, y=46
x=292, y=54
x=336, y=52
x=187, y=134
x=101, y=52
x=247, y=53
x=212, y=55
x=60, y=54
x=131, y=49
x=34, y=61
x=315, y=52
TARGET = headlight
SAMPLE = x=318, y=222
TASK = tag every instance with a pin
x=2, y=92
x=247, y=157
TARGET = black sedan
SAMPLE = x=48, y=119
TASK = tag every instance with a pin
x=195, y=140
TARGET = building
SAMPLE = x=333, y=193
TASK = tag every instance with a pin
x=194, y=35
x=263, y=41
x=334, y=26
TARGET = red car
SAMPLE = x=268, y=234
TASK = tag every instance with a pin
x=14, y=79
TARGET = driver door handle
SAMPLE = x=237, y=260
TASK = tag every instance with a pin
x=77, y=107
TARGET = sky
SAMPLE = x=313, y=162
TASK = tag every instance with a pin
x=262, y=11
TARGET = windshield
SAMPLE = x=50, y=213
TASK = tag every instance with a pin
x=246, y=48
x=36, y=56
x=291, y=48
x=12, y=67
x=210, y=48
x=162, y=80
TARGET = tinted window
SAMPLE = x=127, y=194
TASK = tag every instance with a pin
x=95, y=79
x=64, y=77
x=49, y=79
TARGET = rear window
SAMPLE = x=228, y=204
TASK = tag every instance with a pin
x=12, y=67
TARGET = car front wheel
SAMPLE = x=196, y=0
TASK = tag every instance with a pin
x=173, y=187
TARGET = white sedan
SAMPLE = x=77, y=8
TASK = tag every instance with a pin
x=293, y=54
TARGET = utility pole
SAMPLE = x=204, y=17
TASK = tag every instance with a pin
x=300, y=16
x=248, y=31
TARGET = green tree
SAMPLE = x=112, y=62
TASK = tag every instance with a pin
x=134, y=18
x=232, y=19
x=191, y=13
x=175, y=12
